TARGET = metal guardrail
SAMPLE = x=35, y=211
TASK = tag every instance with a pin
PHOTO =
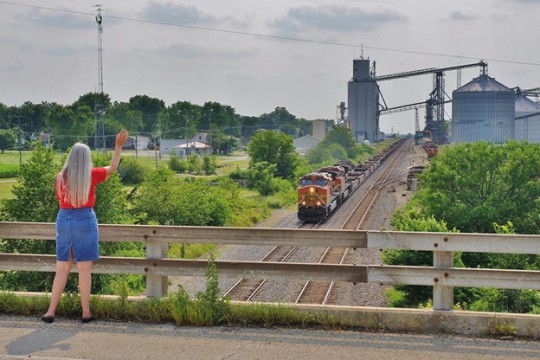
x=442, y=275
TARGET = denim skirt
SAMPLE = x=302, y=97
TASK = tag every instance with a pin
x=77, y=230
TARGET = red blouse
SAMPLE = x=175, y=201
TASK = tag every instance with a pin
x=98, y=175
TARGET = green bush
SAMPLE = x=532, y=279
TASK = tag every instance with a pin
x=131, y=171
x=194, y=164
x=177, y=165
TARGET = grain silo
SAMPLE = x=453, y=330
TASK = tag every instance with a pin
x=527, y=119
x=363, y=100
x=483, y=110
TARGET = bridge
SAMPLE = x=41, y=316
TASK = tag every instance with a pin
x=442, y=276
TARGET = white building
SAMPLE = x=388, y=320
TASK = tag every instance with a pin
x=137, y=142
x=197, y=144
x=305, y=143
x=192, y=147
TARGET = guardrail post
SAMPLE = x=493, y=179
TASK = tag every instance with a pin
x=443, y=296
x=156, y=285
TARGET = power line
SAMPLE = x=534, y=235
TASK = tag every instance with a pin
x=277, y=37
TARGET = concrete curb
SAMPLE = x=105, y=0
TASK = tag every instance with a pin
x=430, y=321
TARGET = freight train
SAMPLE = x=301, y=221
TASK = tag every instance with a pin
x=430, y=147
x=322, y=191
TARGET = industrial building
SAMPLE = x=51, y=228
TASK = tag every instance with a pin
x=366, y=103
x=527, y=119
x=482, y=110
x=363, y=98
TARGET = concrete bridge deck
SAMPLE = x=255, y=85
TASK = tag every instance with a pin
x=29, y=338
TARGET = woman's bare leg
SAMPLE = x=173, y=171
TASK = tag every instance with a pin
x=85, y=285
x=63, y=268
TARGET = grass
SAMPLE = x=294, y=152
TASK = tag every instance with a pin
x=12, y=157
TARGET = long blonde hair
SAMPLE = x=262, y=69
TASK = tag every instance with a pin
x=76, y=176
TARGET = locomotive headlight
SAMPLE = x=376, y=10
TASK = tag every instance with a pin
x=318, y=203
x=312, y=189
x=304, y=203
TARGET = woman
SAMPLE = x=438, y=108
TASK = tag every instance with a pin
x=76, y=224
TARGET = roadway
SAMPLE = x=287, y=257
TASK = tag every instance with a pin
x=29, y=338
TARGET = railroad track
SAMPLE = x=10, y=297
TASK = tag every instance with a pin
x=321, y=292
x=247, y=289
x=358, y=217
x=318, y=292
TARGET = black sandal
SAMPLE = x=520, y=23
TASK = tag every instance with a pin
x=86, y=320
x=47, y=319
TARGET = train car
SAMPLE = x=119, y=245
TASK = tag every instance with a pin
x=318, y=195
x=324, y=190
x=430, y=147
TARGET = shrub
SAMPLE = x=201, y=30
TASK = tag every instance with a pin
x=177, y=165
x=209, y=165
x=131, y=171
x=194, y=164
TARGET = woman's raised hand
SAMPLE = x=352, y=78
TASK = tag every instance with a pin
x=121, y=137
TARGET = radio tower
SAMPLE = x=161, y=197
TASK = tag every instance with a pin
x=99, y=134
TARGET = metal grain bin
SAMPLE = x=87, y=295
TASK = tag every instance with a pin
x=527, y=120
x=483, y=110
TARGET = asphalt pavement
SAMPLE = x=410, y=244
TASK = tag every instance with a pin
x=29, y=338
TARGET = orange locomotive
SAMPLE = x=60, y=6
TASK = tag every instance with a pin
x=321, y=192
x=324, y=190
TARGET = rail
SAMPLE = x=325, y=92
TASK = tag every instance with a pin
x=442, y=276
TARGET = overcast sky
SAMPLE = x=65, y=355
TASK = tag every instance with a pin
x=209, y=50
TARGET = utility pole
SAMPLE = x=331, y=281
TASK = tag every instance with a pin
x=187, y=132
x=159, y=137
x=99, y=134
x=19, y=137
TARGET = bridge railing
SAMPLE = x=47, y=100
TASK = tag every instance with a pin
x=442, y=276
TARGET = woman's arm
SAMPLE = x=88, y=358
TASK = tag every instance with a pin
x=121, y=138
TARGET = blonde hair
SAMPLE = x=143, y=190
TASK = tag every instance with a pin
x=76, y=176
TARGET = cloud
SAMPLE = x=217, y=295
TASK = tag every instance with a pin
x=177, y=14
x=534, y=2
x=61, y=20
x=334, y=17
x=200, y=52
x=460, y=15
x=67, y=51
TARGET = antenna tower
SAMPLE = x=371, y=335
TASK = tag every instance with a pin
x=99, y=134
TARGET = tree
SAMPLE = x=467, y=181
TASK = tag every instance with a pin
x=343, y=137
x=166, y=200
x=194, y=164
x=276, y=149
x=413, y=220
x=92, y=99
x=132, y=120
x=261, y=177
x=111, y=205
x=472, y=186
x=280, y=119
x=34, y=196
x=70, y=124
x=209, y=165
x=182, y=120
x=151, y=108
x=33, y=201
x=222, y=116
x=7, y=139
x=33, y=117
